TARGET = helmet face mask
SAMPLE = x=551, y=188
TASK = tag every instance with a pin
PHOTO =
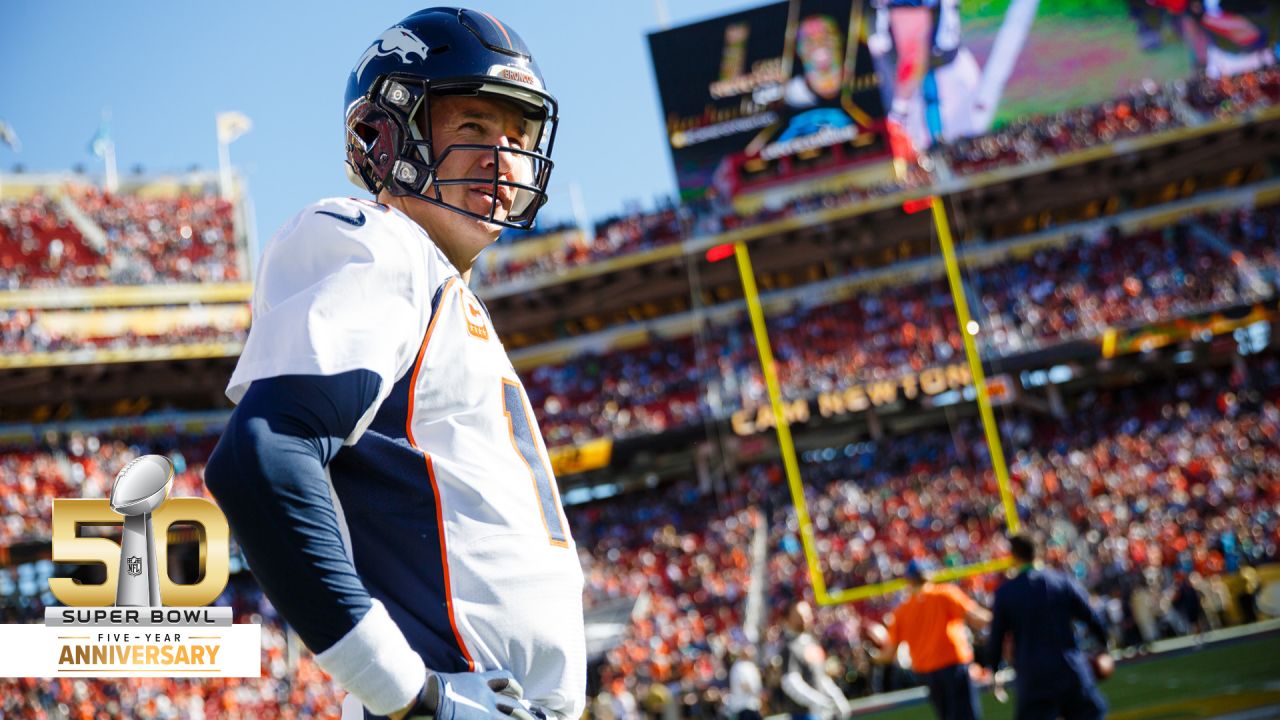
x=389, y=116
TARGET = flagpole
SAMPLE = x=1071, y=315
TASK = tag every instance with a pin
x=109, y=158
x=230, y=126
x=224, y=170
x=8, y=138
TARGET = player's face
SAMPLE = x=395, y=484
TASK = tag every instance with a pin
x=818, y=49
x=479, y=121
x=458, y=120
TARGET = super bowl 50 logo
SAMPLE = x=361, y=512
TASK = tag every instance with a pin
x=136, y=575
x=138, y=622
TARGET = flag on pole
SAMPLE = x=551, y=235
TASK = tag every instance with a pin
x=9, y=137
x=102, y=147
x=100, y=144
x=232, y=125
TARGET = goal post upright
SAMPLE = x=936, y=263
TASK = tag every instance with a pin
x=783, y=428
x=786, y=445
x=995, y=449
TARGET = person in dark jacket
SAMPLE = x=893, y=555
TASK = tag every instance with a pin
x=1054, y=677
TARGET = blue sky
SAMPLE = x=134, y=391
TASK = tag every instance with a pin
x=165, y=69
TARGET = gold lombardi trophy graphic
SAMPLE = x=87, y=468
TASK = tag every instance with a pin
x=140, y=487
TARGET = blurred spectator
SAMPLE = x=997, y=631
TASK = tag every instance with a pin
x=746, y=688
x=805, y=683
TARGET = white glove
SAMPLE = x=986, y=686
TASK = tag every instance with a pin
x=470, y=696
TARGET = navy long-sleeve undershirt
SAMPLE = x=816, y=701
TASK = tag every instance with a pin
x=268, y=476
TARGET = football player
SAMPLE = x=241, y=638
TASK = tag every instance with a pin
x=382, y=470
x=928, y=77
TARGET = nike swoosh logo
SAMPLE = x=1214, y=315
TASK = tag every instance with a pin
x=357, y=221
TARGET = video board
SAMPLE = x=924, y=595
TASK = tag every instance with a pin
x=768, y=93
x=797, y=88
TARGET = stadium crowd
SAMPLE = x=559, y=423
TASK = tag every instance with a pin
x=1074, y=291
x=39, y=245
x=84, y=465
x=1141, y=493
x=190, y=238
x=1150, y=108
x=1056, y=295
x=1147, y=495
x=187, y=239
x=614, y=236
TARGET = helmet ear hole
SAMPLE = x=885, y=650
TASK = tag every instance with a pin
x=367, y=134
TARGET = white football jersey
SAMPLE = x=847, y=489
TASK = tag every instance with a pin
x=450, y=507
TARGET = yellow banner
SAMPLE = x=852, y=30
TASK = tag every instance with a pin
x=581, y=458
x=122, y=296
x=96, y=356
x=143, y=321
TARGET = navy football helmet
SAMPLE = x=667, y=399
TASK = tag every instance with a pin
x=435, y=52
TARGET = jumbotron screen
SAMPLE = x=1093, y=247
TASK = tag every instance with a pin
x=806, y=87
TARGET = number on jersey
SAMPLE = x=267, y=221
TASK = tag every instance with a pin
x=521, y=422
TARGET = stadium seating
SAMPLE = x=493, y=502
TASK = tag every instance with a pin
x=189, y=238
x=1149, y=109
x=84, y=465
x=1058, y=294
x=1141, y=491
x=1140, y=488
x=40, y=245
x=1141, y=485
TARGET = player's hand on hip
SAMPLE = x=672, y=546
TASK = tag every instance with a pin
x=537, y=711
x=468, y=696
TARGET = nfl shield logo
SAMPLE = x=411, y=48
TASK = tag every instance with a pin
x=135, y=565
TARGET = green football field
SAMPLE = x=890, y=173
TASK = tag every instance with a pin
x=1236, y=678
